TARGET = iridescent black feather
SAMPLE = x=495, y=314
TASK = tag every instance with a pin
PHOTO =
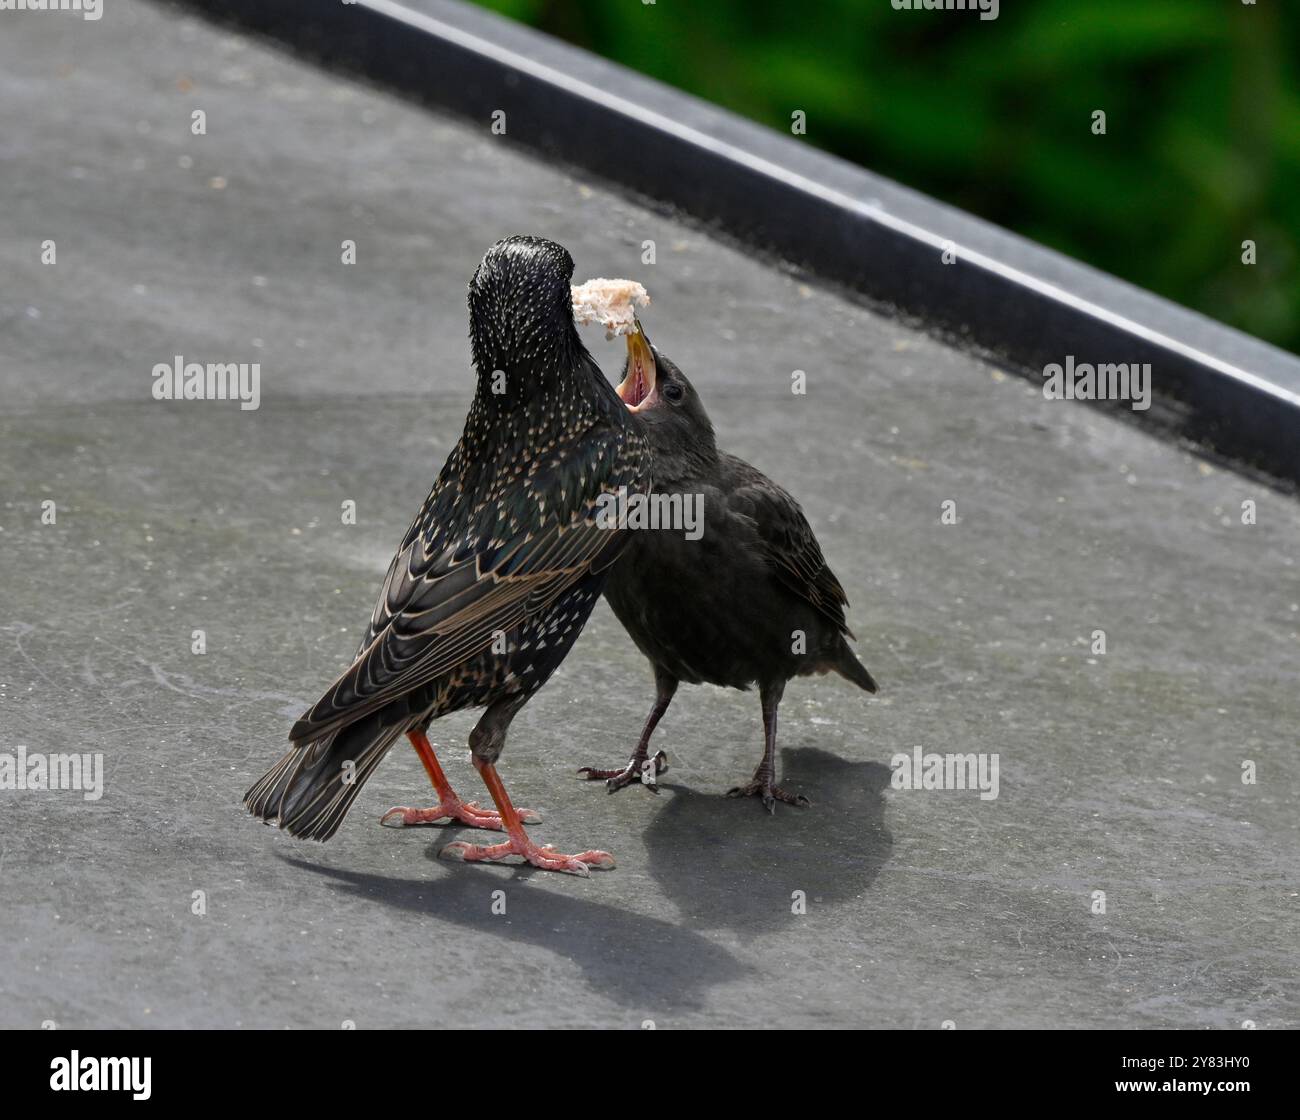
x=504, y=555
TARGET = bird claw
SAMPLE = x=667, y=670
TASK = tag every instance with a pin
x=546, y=857
x=465, y=812
x=637, y=770
x=770, y=794
x=613, y=785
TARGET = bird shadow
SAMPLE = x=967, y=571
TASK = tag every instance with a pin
x=727, y=864
x=635, y=960
x=722, y=862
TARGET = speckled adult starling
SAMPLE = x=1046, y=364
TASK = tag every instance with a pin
x=751, y=601
x=495, y=577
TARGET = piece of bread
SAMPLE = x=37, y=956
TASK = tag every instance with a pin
x=611, y=303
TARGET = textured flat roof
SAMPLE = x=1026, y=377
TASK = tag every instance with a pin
x=1119, y=773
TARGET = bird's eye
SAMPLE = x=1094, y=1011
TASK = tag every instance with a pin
x=673, y=391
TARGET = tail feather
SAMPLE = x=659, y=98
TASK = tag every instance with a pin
x=310, y=790
x=851, y=669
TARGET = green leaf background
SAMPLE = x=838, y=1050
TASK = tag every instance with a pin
x=1202, y=99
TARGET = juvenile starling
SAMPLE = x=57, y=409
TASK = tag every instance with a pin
x=751, y=601
x=495, y=577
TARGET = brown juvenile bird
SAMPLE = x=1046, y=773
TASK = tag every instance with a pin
x=751, y=601
x=495, y=577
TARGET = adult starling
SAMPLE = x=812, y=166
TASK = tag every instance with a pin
x=751, y=601
x=495, y=577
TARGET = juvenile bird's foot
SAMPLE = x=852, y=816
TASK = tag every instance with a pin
x=637, y=770
x=453, y=809
x=525, y=851
x=763, y=787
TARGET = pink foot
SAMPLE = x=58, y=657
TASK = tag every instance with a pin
x=525, y=851
x=466, y=812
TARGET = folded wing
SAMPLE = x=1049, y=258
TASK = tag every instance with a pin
x=443, y=601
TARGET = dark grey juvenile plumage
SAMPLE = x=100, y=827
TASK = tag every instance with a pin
x=499, y=570
x=750, y=602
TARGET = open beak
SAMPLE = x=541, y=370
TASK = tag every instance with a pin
x=638, y=387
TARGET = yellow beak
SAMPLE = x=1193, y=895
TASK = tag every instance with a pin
x=638, y=387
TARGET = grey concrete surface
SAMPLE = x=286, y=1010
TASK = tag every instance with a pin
x=1119, y=773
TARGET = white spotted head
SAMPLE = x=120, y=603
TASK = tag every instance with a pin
x=521, y=307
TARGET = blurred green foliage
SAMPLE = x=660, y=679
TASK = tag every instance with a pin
x=1201, y=152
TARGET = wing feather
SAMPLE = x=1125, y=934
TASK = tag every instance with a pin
x=788, y=542
x=443, y=601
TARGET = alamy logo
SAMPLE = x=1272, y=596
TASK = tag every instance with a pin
x=988, y=9
x=652, y=511
x=89, y=9
x=37, y=771
x=1106, y=381
x=919, y=770
x=114, y=1075
x=216, y=381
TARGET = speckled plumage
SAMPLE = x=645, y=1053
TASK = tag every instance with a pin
x=501, y=567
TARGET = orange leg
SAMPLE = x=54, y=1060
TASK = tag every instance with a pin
x=519, y=848
x=450, y=806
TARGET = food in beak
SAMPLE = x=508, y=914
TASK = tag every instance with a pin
x=611, y=303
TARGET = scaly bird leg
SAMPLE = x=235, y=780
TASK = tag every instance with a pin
x=450, y=806
x=761, y=785
x=639, y=766
x=486, y=742
x=519, y=848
